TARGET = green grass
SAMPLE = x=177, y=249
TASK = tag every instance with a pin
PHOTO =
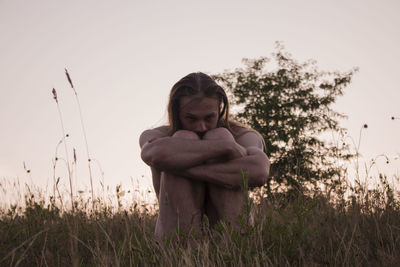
x=362, y=229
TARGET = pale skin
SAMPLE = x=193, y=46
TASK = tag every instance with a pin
x=197, y=170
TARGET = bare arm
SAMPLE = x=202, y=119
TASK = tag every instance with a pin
x=187, y=157
x=148, y=136
x=177, y=154
x=229, y=174
x=152, y=134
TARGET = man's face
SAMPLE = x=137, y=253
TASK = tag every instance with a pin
x=199, y=115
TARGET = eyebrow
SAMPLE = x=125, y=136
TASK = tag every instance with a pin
x=211, y=114
x=207, y=115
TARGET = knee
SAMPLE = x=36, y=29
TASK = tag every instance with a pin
x=186, y=135
x=219, y=133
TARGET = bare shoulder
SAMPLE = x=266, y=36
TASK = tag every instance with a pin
x=247, y=137
x=250, y=139
x=150, y=134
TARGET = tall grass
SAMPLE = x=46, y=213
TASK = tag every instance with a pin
x=66, y=147
x=84, y=134
x=363, y=229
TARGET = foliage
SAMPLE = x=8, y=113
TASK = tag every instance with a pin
x=290, y=105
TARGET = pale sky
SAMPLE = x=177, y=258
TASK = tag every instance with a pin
x=124, y=56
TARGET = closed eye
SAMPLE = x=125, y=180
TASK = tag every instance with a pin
x=190, y=118
x=210, y=117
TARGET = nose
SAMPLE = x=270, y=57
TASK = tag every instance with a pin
x=201, y=127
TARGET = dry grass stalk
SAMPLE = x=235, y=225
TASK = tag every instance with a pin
x=65, y=146
x=84, y=135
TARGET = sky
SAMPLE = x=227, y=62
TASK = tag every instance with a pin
x=124, y=57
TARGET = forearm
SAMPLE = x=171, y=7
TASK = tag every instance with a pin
x=171, y=153
x=230, y=174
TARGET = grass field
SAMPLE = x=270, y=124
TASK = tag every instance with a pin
x=361, y=229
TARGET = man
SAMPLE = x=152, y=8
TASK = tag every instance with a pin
x=197, y=160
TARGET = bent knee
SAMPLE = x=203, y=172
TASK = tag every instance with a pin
x=186, y=135
x=219, y=133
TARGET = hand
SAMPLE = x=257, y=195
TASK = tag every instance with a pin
x=237, y=151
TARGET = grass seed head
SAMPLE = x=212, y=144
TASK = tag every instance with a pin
x=54, y=94
x=70, y=81
x=69, y=78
